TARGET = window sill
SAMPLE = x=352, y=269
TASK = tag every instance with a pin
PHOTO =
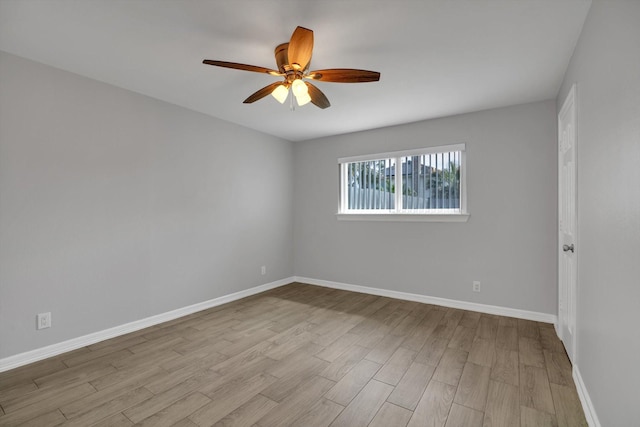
x=464, y=217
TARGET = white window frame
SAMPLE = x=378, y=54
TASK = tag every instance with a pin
x=399, y=214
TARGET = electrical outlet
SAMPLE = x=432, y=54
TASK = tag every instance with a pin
x=43, y=320
x=476, y=286
x=263, y=270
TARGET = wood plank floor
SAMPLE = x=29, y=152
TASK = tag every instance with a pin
x=303, y=355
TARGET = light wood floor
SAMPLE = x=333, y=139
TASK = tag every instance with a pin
x=307, y=356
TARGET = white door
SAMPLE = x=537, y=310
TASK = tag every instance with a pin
x=567, y=219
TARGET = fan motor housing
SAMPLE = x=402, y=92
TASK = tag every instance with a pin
x=282, y=58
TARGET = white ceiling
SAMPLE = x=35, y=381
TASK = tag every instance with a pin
x=436, y=58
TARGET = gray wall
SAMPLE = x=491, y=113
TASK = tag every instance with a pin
x=115, y=207
x=606, y=69
x=509, y=242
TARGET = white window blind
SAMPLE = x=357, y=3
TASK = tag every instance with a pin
x=424, y=182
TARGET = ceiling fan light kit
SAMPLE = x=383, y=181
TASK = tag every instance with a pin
x=293, y=61
x=280, y=93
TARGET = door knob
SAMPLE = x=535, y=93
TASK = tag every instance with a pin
x=567, y=248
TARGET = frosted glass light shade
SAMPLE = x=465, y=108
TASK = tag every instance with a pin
x=303, y=99
x=299, y=88
x=280, y=93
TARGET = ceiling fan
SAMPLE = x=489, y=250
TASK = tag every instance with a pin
x=293, y=61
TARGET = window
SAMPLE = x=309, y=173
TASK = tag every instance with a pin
x=427, y=184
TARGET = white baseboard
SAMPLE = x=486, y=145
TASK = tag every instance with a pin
x=464, y=305
x=583, y=394
x=25, y=358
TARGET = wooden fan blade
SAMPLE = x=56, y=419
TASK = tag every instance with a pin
x=262, y=93
x=317, y=97
x=244, y=67
x=344, y=75
x=300, y=48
